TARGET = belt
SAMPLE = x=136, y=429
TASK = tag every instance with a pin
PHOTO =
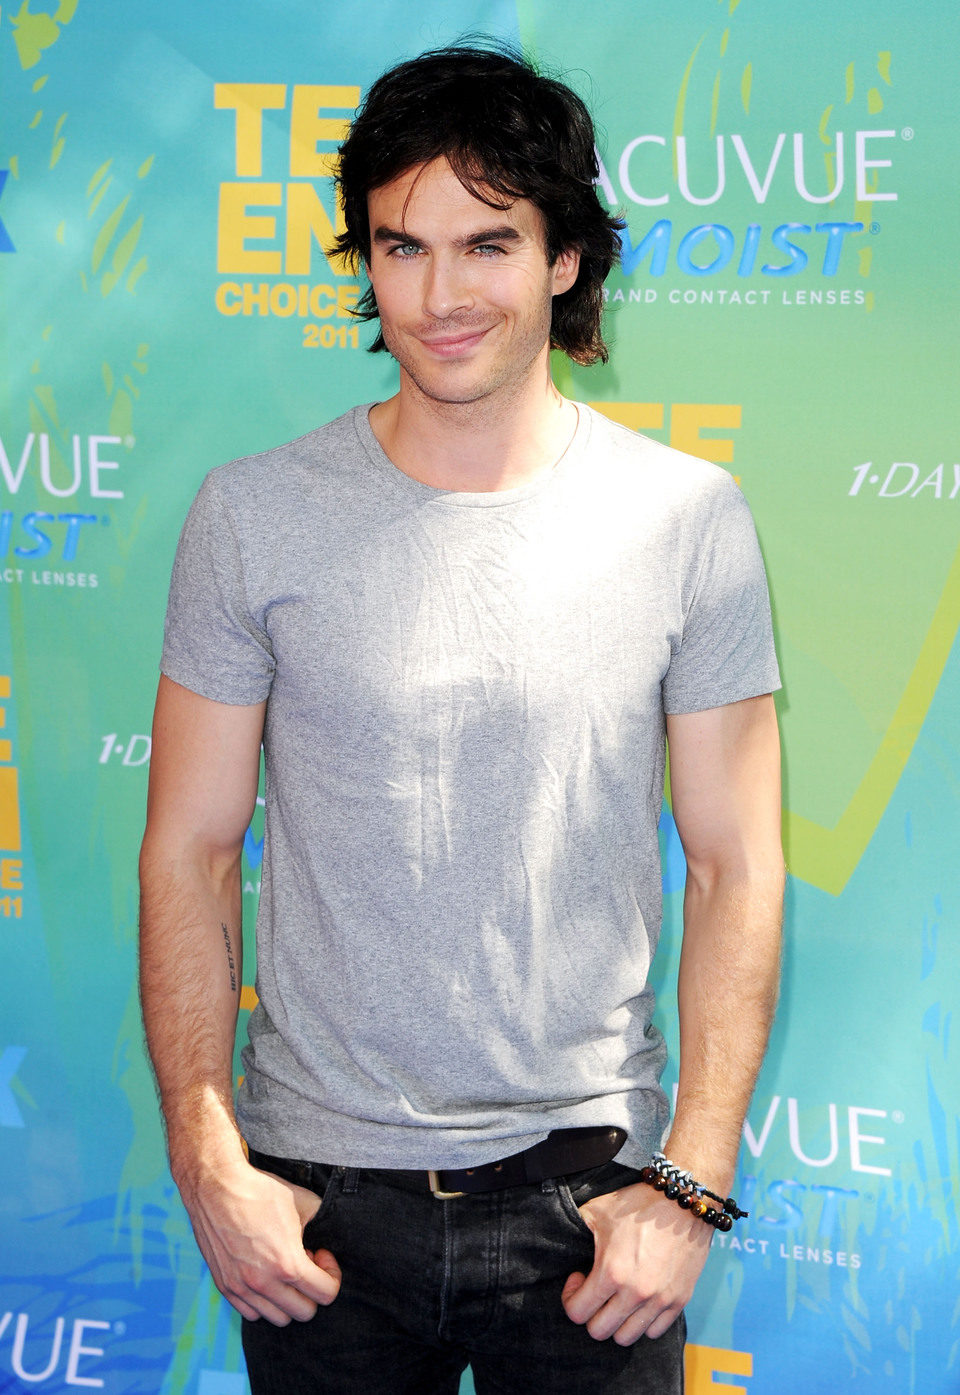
x=563, y=1151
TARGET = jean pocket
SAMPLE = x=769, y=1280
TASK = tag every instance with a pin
x=312, y=1177
x=575, y=1191
x=570, y=1209
x=608, y=1177
x=313, y=1230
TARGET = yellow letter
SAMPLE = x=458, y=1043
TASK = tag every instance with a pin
x=9, y=809
x=307, y=218
x=235, y=225
x=687, y=419
x=249, y=100
x=347, y=297
x=701, y=1364
x=639, y=416
x=226, y=298
x=9, y=785
x=11, y=874
x=307, y=126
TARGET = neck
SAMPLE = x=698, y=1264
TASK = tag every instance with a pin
x=475, y=447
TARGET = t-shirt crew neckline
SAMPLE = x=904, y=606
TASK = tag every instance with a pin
x=455, y=498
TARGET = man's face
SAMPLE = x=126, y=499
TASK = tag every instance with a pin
x=464, y=290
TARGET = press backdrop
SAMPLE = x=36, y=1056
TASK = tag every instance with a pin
x=787, y=307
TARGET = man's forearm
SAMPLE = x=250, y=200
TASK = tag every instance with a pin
x=203, y=788
x=249, y=1226
x=190, y=979
x=727, y=993
x=725, y=780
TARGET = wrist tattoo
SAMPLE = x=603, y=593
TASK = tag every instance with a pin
x=230, y=959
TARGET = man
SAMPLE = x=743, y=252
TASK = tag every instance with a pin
x=490, y=608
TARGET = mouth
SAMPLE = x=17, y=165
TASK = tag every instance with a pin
x=452, y=345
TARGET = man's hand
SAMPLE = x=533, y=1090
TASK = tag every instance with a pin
x=203, y=787
x=249, y=1226
x=649, y=1255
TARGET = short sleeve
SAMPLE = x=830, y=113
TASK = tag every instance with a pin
x=725, y=650
x=213, y=644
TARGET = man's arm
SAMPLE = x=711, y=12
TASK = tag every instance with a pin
x=725, y=783
x=203, y=788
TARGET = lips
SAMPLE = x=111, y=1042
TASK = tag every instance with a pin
x=451, y=345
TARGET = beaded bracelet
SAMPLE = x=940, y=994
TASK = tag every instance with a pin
x=680, y=1187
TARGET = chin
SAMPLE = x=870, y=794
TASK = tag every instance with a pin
x=445, y=389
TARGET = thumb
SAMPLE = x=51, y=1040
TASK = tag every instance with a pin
x=325, y=1261
x=573, y=1285
x=307, y=1203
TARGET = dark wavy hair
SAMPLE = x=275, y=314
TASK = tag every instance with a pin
x=508, y=133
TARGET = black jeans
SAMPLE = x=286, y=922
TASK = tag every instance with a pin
x=430, y=1286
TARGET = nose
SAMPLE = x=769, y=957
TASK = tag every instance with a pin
x=447, y=287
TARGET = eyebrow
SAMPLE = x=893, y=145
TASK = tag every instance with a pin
x=503, y=232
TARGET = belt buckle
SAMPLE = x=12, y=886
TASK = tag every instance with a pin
x=433, y=1177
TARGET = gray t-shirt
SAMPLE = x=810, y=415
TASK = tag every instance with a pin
x=464, y=750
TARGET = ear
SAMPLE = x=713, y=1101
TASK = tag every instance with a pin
x=565, y=270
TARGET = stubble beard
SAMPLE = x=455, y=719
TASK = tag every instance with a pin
x=439, y=387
